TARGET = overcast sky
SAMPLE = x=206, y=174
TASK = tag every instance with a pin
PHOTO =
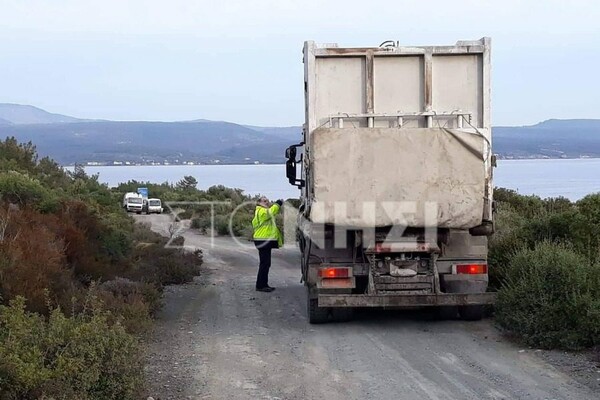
x=240, y=60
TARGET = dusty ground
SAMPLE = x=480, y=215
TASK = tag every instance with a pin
x=219, y=339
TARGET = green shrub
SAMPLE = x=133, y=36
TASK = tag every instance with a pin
x=528, y=206
x=508, y=239
x=59, y=234
x=23, y=190
x=524, y=221
x=586, y=230
x=78, y=357
x=202, y=224
x=222, y=224
x=550, y=298
x=142, y=233
x=15, y=156
x=227, y=223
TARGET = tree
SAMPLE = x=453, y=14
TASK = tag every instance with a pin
x=17, y=156
x=79, y=172
x=187, y=183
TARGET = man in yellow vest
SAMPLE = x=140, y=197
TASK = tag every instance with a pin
x=266, y=237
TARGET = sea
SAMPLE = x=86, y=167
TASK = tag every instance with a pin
x=570, y=178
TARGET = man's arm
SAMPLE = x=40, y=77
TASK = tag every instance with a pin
x=274, y=209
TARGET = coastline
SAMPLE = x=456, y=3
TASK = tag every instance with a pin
x=282, y=163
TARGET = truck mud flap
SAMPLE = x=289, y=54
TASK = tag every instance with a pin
x=419, y=300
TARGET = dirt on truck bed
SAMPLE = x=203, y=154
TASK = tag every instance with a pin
x=217, y=338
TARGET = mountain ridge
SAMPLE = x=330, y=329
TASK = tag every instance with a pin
x=26, y=114
x=71, y=140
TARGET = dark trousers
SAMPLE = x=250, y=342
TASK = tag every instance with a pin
x=264, y=256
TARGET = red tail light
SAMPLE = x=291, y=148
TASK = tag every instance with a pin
x=380, y=248
x=333, y=273
x=471, y=269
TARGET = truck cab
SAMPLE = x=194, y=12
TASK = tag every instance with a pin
x=133, y=202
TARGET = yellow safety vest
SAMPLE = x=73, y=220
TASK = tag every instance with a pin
x=264, y=224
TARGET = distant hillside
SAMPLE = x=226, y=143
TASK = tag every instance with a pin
x=70, y=140
x=24, y=114
x=549, y=139
x=287, y=132
x=147, y=142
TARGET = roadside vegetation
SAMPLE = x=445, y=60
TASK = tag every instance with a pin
x=544, y=258
x=188, y=202
x=223, y=210
x=545, y=262
x=79, y=282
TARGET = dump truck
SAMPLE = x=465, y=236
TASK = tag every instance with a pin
x=395, y=174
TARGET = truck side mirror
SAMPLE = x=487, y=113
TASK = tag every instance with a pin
x=290, y=165
x=290, y=153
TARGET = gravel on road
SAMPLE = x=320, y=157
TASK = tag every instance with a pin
x=217, y=338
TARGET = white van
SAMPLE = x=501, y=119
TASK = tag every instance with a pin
x=155, y=206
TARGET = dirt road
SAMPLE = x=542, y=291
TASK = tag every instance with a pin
x=219, y=339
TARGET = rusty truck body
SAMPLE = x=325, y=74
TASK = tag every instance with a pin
x=395, y=172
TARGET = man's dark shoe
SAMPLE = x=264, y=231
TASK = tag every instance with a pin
x=265, y=289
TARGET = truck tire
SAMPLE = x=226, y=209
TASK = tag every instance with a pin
x=316, y=314
x=342, y=314
x=471, y=313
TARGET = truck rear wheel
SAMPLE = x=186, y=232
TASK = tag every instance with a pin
x=316, y=314
x=471, y=313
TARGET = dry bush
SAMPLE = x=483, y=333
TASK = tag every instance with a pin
x=164, y=266
x=143, y=234
x=132, y=302
x=33, y=260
